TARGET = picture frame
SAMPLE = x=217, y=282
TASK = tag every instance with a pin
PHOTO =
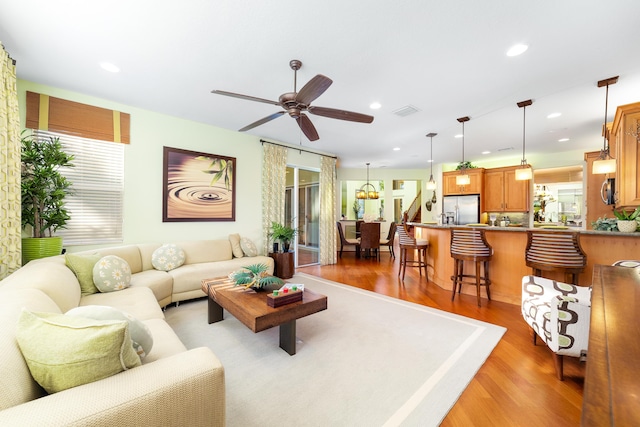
x=198, y=186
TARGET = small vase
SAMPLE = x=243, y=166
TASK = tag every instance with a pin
x=627, y=226
x=275, y=248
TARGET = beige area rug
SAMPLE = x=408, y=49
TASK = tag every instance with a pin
x=368, y=360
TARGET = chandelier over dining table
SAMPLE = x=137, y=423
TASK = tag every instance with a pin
x=367, y=191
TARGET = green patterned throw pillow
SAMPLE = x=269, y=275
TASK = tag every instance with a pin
x=111, y=273
x=167, y=257
x=67, y=351
x=82, y=267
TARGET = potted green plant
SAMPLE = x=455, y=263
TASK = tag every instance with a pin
x=627, y=221
x=283, y=234
x=43, y=192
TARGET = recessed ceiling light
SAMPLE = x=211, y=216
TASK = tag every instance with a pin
x=516, y=50
x=458, y=136
x=430, y=161
x=375, y=105
x=486, y=152
x=554, y=115
x=396, y=149
x=107, y=66
x=563, y=140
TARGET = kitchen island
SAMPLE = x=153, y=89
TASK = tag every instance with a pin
x=507, y=265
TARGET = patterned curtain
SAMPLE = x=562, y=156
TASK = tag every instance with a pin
x=10, y=228
x=274, y=173
x=328, y=218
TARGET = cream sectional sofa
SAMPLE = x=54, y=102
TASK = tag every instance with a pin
x=173, y=386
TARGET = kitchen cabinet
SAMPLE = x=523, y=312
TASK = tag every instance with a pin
x=627, y=148
x=595, y=206
x=476, y=184
x=503, y=193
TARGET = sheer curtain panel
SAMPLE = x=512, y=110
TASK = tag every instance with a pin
x=274, y=173
x=328, y=217
x=10, y=229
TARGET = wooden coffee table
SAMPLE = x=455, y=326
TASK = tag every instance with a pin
x=250, y=308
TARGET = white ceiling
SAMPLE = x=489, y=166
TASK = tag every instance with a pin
x=445, y=58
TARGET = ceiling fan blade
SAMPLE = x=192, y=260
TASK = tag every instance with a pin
x=247, y=97
x=307, y=127
x=262, y=121
x=332, y=113
x=313, y=89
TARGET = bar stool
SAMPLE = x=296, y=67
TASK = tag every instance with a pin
x=555, y=251
x=470, y=244
x=407, y=242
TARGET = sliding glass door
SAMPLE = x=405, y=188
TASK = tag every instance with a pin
x=302, y=209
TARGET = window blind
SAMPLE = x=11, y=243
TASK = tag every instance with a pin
x=96, y=204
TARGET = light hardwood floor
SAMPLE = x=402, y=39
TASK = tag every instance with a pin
x=516, y=386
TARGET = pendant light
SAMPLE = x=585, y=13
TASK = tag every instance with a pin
x=524, y=172
x=431, y=184
x=364, y=192
x=605, y=164
x=463, y=179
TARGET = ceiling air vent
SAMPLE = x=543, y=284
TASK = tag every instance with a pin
x=505, y=149
x=405, y=111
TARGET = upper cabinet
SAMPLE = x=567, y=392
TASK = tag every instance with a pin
x=476, y=178
x=503, y=193
x=627, y=147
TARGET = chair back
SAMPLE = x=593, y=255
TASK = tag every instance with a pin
x=555, y=251
x=404, y=238
x=392, y=233
x=470, y=244
x=370, y=235
x=341, y=233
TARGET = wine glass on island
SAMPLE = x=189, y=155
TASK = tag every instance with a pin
x=492, y=218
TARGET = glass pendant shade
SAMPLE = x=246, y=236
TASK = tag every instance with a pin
x=431, y=184
x=524, y=174
x=463, y=180
x=604, y=166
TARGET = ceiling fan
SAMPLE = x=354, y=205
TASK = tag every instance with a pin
x=296, y=103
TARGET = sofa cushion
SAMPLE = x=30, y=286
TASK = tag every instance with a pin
x=167, y=257
x=67, y=351
x=235, y=245
x=137, y=301
x=18, y=386
x=166, y=342
x=198, y=251
x=111, y=273
x=160, y=282
x=129, y=253
x=140, y=334
x=82, y=267
x=248, y=247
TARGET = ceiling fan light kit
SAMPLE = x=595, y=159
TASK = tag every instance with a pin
x=431, y=184
x=605, y=164
x=463, y=179
x=297, y=103
x=524, y=173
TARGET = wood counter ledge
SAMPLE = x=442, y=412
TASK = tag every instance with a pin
x=508, y=262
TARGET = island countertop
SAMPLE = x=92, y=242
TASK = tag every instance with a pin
x=508, y=266
x=520, y=228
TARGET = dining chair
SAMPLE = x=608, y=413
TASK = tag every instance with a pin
x=370, y=239
x=390, y=239
x=344, y=241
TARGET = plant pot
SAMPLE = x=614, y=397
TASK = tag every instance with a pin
x=627, y=226
x=40, y=247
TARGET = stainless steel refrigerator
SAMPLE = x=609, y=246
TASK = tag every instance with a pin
x=465, y=209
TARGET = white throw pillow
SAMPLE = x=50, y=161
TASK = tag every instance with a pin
x=167, y=257
x=234, y=239
x=111, y=273
x=141, y=337
x=248, y=247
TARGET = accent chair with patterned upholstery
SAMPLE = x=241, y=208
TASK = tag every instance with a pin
x=560, y=313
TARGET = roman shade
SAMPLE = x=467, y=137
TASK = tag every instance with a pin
x=46, y=112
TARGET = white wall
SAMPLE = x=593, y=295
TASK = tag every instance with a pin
x=151, y=131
